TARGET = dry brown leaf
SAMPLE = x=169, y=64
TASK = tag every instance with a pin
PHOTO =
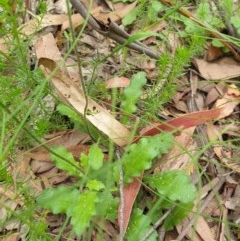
x=64, y=138
x=214, y=93
x=223, y=154
x=73, y=95
x=204, y=230
x=39, y=23
x=77, y=19
x=181, y=154
x=41, y=166
x=229, y=101
x=3, y=45
x=117, y=82
x=118, y=14
x=205, y=85
x=179, y=103
x=224, y=68
x=99, y=14
x=12, y=237
x=214, y=53
x=46, y=46
x=130, y=193
x=44, y=156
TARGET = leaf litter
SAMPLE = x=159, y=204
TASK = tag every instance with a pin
x=214, y=114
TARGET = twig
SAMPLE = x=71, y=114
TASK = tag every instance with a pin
x=113, y=31
x=122, y=203
x=122, y=206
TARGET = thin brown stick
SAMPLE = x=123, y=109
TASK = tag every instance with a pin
x=113, y=31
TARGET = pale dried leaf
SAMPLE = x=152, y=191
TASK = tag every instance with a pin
x=41, y=166
x=73, y=95
x=77, y=19
x=214, y=93
x=44, y=156
x=46, y=46
x=117, y=82
x=39, y=23
x=229, y=101
x=180, y=156
x=224, y=68
x=204, y=230
x=61, y=6
x=12, y=237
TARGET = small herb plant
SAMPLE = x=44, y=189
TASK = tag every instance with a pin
x=95, y=194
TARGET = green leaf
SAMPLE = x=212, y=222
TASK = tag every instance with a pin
x=95, y=185
x=107, y=205
x=217, y=43
x=180, y=212
x=83, y=211
x=174, y=185
x=131, y=16
x=66, y=110
x=132, y=93
x=69, y=165
x=203, y=11
x=140, y=155
x=139, y=226
x=95, y=157
x=58, y=200
x=84, y=160
x=153, y=9
x=235, y=20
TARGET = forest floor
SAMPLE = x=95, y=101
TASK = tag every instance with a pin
x=119, y=120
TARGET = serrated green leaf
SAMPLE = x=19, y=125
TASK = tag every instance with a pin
x=131, y=16
x=58, y=200
x=67, y=111
x=84, y=160
x=140, y=155
x=153, y=10
x=83, y=211
x=95, y=157
x=133, y=92
x=180, y=212
x=107, y=206
x=175, y=185
x=203, y=11
x=139, y=225
x=235, y=20
x=217, y=43
x=69, y=165
x=95, y=185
